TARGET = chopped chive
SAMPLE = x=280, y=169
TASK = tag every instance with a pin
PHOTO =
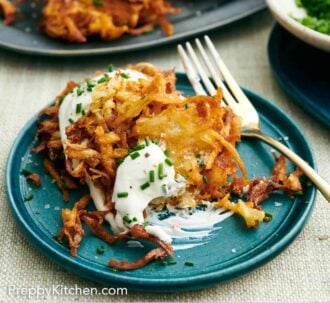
x=160, y=171
x=28, y=197
x=167, y=152
x=205, y=179
x=64, y=186
x=100, y=250
x=134, y=219
x=148, y=31
x=83, y=112
x=135, y=155
x=124, y=75
x=61, y=99
x=90, y=85
x=188, y=263
x=97, y=3
x=168, y=162
x=186, y=106
x=172, y=262
x=78, y=108
x=111, y=68
x=268, y=216
x=298, y=193
x=122, y=195
x=25, y=172
x=152, y=176
x=155, y=141
x=119, y=161
x=147, y=141
x=146, y=223
x=164, y=188
x=145, y=186
x=163, y=263
x=127, y=219
x=103, y=79
x=79, y=91
x=138, y=147
x=71, y=121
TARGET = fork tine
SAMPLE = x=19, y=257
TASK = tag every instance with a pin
x=207, y=83
x=215, y=75
x=191, y=72
x=231, y=82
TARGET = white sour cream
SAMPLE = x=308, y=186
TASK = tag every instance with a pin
x=139, y=181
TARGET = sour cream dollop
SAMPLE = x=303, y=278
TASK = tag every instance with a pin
x=144, y=175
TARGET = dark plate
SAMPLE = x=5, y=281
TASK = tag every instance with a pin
x=197, y=16
x=233, y=251
x=303, y=72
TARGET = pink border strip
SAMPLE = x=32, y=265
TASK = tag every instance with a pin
x=165, y=316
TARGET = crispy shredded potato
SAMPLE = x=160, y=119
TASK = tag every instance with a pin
x=200, y=134
x=8, y=10
x=76, y=20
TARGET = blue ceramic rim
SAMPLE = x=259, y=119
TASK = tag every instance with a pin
x=290, y=89
x=161, y=285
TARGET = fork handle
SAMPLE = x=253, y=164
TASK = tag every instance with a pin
x=312, y=175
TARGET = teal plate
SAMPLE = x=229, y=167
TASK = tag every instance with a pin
x=233, y=250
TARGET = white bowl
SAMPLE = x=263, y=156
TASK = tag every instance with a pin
x=285, y=11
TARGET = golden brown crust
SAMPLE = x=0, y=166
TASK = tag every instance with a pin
x=8, y=10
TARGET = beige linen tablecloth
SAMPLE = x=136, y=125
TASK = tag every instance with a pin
x=300, y=274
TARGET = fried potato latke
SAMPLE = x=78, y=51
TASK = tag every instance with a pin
x=199, y=133
x=76, y=20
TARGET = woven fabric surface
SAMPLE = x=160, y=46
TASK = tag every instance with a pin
x=300, y=274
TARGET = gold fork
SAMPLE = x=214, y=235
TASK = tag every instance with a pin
x=234, y=97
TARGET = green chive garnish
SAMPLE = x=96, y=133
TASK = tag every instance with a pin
x=145, y=186
x=138, y=147
x=90, y=85
x=71, y=121
x=205, y=179
x=147, y=141
x=110, y=68
x=83, y=112
x=79, y=91
x=61, y=99
x=134, y=219
x=160, y=171
x=155, y=141
x=163, y=263
x=127, y=219
x=122, y=195
x=188, y=263
x=25, y=172
x=103, y=79
x=100, y=250
x=167, y=152
x=78, y=108
x=28, y=197
x=186, y=106
x=124, y=75
x=298, y=193
x=268, y=216
x=146, y=223
x=168, y=162
x=172, y=262
x=135, y=155
x=119, y=161
x=152, y=176
x=97, y=3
